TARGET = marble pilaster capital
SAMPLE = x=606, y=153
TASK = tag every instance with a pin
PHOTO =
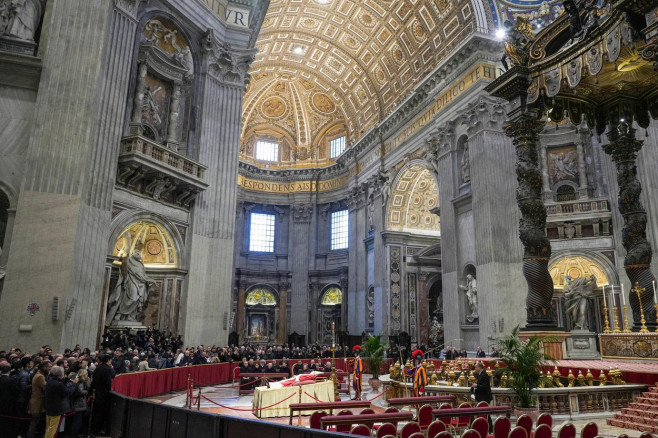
x=284, y=286
x=423, y=276
x=357, y=196
x=486, y=113
x=128, y=7
x=301, y=213
x=226, y=64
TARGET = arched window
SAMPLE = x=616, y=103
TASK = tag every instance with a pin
x=565, y=193
x=332, y=297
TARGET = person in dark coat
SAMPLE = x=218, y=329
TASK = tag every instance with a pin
x=9, y=391
x=119, y=362
x=101, y=387
x=480, y=353
x=482, y=387
x=58, y=399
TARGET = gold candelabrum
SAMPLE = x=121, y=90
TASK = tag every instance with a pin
x=334, y=377
x=617, y=328
x=625, y=311
x=638, y=290
x=606, y=328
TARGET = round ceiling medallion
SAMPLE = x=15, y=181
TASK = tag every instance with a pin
x=419, y=32
x=398, y=56
x=323, y=103
x=350, y=42
x=379, y=74
x=154, y=247
x=274, y=107
x=367, y=20
x=309, y=23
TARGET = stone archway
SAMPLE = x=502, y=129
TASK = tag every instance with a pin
x=162, y=260
x=261, y=314
x=329, y=312
x=413, y=199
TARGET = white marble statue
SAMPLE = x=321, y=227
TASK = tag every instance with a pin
x=131, y=291
x=466, y=164
x=472, y=295
x=435, y=331
x=577, y=294
x=23, y=18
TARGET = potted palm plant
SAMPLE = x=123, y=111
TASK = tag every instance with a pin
x=373, y=352
x=521, y=361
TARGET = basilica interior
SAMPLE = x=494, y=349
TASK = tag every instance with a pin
x=268, y=170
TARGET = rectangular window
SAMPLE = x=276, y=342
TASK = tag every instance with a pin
x=339, y=226
x=267, y=151
x=337, y=146
x=261, y=232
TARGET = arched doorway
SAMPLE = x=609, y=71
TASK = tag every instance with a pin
x=261, y=308
x=161, y=258
x=329, y=311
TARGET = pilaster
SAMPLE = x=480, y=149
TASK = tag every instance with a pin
x=71, y=166
x=301, y=215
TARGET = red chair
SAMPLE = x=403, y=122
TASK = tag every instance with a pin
x=481, y=425
x=360, y=430
x=386, y=429
x=518, y=432
x=459, y=424
x=417, y=435
x=388, y=411
x=623, y=435
x=471, y=433
x=424, y=416
x=445, y=434
x=525, y=422
x=367, y=411
x=345, y=428
x=546, y=419
x=501, y=427
x=645, y=435
x=590, y=430
x=435, y=428
x=543, y=431
x=567, y=431
x=445, y=420
x=482, y=404
x=314, y=421
x=409, y=429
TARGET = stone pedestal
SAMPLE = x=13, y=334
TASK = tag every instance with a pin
x=582, y=345
x=128, y=327
x=553, y=349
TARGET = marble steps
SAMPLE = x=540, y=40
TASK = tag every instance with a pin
x=641, y=414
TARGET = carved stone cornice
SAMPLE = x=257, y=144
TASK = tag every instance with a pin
x=285, y=175
x=357, y=196
x=226, y=64
x=487, y=113
x=301, y=213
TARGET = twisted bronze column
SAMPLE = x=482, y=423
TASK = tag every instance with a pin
x=524, y=131
x=623, y=148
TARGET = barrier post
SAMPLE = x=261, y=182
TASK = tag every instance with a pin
x=299, y=418
x=198, y=400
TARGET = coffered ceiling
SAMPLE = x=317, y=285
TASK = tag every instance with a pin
x=329, y=63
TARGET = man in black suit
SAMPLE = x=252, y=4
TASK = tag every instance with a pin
x=482, y=388
x=101, y=386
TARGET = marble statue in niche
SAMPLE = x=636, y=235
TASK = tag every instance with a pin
x=577, y=294
x=466, y=164
x=131, y=291
x=472, y=295
x=20, y=18
x=435, y=331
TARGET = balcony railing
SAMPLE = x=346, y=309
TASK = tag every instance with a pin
x=147, y=148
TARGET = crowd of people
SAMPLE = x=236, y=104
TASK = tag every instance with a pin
x=43, y=392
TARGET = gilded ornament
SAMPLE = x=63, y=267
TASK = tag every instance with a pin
x=517, y=42
x=274, y=107
x=323, y=103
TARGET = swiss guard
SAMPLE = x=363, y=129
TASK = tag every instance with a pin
x=418, y=373
x=357, y=373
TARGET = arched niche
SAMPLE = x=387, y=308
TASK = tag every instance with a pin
x=162, y=251
x=261, y=314
x=413, y=198
x=329, y=312
x=582, y=265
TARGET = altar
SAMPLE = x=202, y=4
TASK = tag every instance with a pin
x=285, y=396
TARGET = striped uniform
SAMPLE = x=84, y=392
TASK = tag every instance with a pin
x=420, y=379
x=358, y=370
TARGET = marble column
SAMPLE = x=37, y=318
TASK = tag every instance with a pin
x=240, y=310
x=623, y=147
x=283, y=311
x=209, y=286
x=70, y=172
x=301, y=215
x=546, y=187
x=358, y=273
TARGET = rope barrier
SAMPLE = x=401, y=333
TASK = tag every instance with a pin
x=317, y=400
x=383, y=392
x=249, y=409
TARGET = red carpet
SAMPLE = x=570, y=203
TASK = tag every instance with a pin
x=640, y=415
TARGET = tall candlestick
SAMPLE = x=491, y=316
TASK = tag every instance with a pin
x=655, y=297
x=604, y=303
x=623, y=300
